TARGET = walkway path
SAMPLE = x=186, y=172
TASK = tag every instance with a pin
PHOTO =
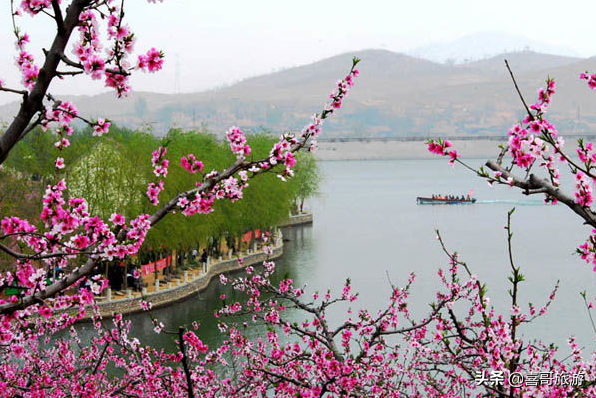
x=188, y=284
x=191, y=281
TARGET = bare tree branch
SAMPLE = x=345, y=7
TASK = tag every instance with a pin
x=536, y=183
x=521, y=97
x=58, y=16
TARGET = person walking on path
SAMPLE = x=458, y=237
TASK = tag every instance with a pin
x=204, y=258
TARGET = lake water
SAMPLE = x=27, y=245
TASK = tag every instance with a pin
x=368, y=228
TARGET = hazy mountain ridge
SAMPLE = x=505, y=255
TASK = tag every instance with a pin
x=396, y=94
x=483, y=45
x=521, y=62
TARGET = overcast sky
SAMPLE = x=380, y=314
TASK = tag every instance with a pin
x=219, y=42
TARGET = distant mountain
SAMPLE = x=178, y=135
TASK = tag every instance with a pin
x=483, y=45
x=396, y=95
x=520, y=62
x=383, y=71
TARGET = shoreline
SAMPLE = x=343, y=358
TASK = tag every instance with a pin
x=193, y=281
x=297, y=219
x=401, y=150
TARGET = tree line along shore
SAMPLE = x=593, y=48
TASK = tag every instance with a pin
x=113, y=173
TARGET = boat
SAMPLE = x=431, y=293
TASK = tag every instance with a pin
x=444, y=201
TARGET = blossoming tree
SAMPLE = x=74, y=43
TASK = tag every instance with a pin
x=383, y=354
x=70, y=231
x=537, y=150
x=531, y=161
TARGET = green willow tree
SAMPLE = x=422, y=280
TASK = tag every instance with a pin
x=266, y=202
x=305, y=183
x=113, y=177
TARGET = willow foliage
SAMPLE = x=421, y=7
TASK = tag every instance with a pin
x=112, y=173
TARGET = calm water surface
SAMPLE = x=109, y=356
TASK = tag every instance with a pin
x=368, y=228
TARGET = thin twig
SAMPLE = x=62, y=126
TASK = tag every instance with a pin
x=521, y=97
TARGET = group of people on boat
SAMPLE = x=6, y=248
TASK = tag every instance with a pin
x=452, y=197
